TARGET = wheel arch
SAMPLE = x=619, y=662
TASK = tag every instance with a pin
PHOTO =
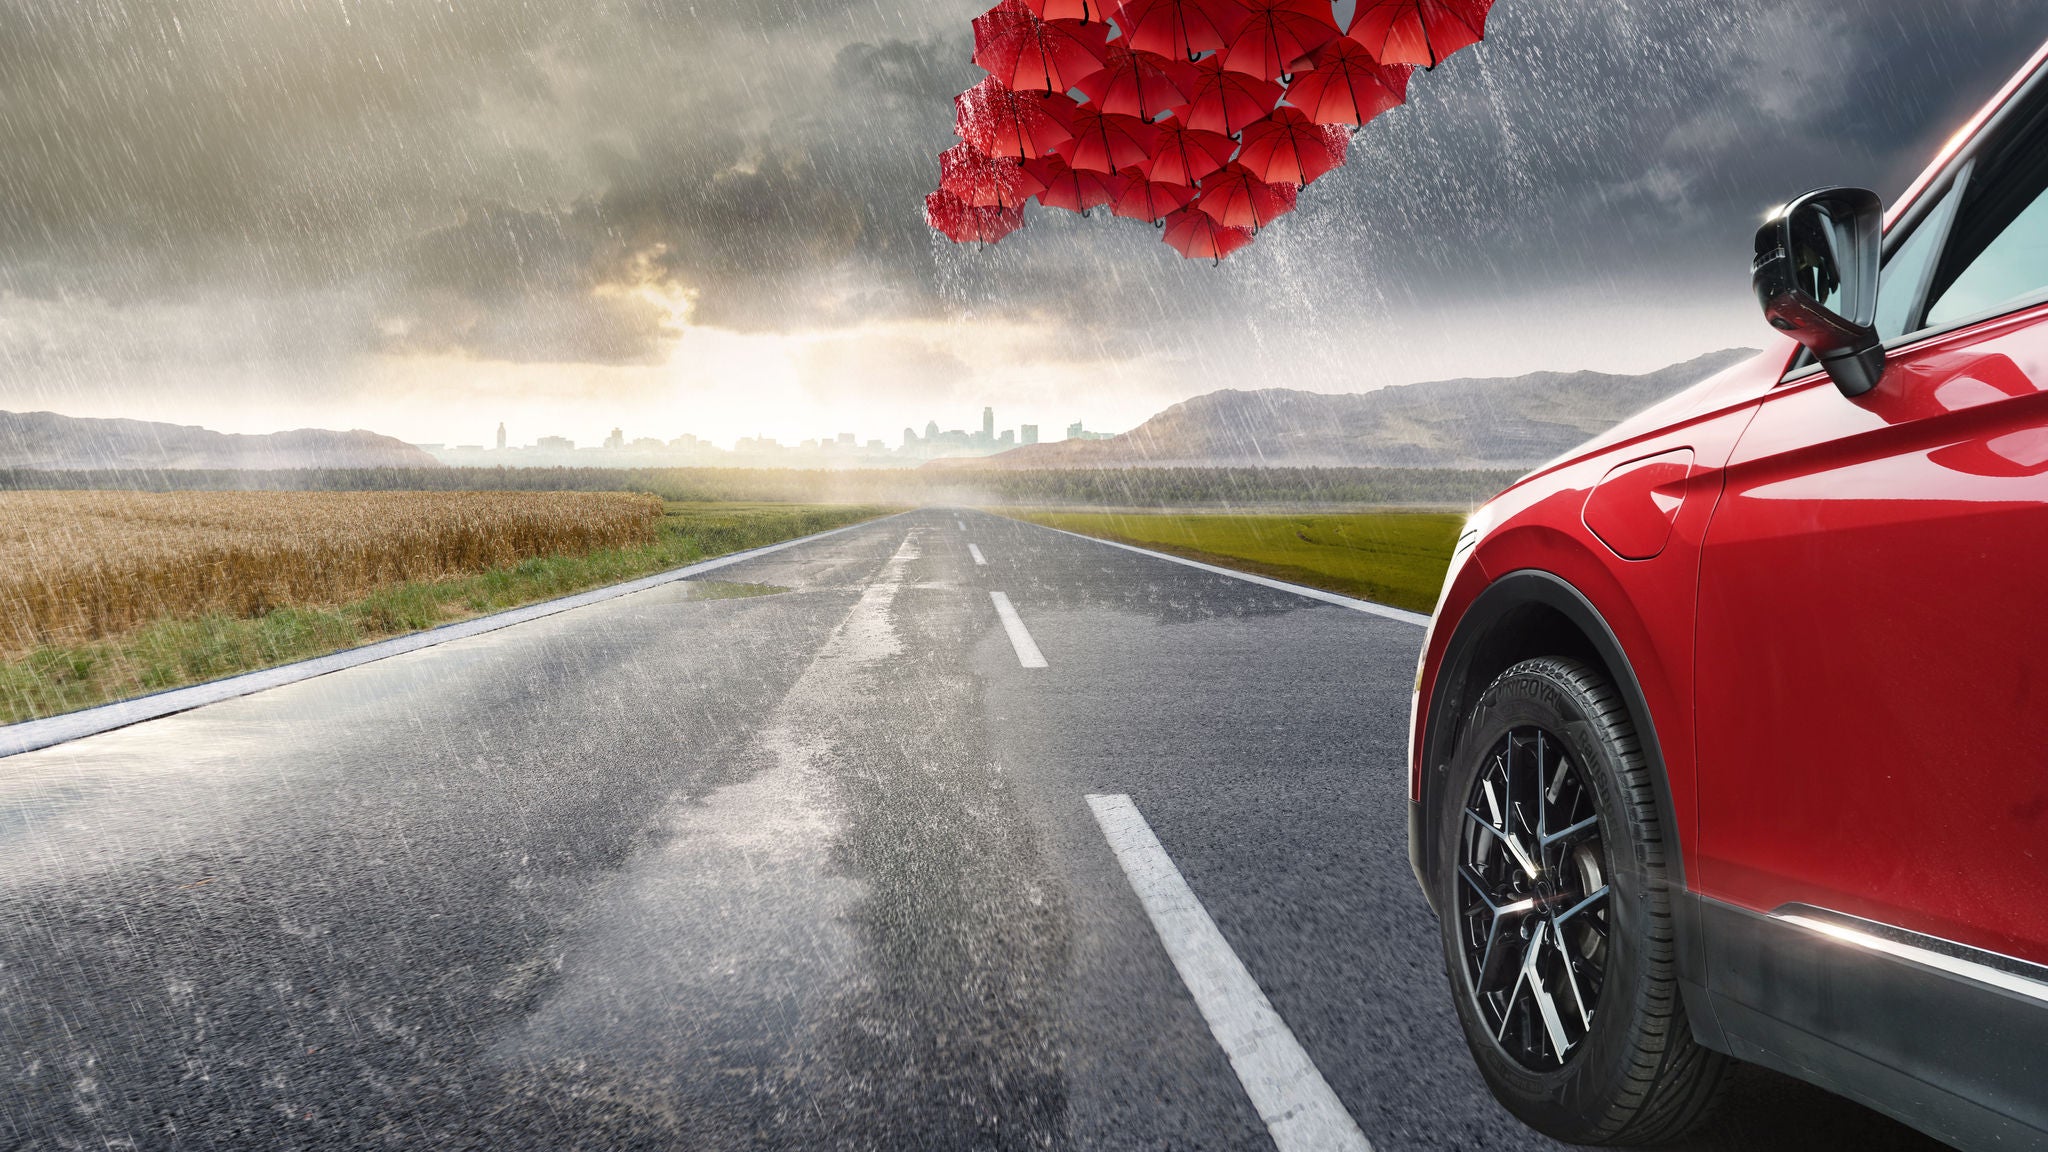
x=1525, y=614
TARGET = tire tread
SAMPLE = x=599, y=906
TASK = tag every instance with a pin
x=1673, y=1085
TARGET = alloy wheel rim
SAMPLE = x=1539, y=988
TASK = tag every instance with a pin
x=1532, y=898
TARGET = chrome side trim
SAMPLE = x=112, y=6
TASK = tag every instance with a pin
x=2008, y=973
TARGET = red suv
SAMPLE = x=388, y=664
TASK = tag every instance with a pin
x=1731, y=730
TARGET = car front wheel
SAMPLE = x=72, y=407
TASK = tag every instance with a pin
x=1557, y=920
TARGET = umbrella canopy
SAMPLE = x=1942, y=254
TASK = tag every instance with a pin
x=1226, y=101
x=1068, y=9
x=1021, y=125
x=1238, y=199
x=1068, y=188
x=1348, y=86
x=1148, y=200
x=961, y=222
x=1107, y=142
x=1197, y=236
x=1183, y=155
x=1263, y=94
x=1027, y=54
x=1289, y=148
x=1420, y=32
x=983, y=181
x=1141, y=84
x=1277, y=35
x=1179, y=29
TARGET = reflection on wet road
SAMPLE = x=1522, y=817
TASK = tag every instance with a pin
x=801, y=860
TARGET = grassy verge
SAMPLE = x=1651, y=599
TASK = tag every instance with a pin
x=168, y=653
x=1395, y=558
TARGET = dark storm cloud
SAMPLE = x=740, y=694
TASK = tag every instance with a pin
x=531, y=179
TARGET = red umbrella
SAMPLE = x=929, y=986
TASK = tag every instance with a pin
x=1005, y=123
x=1239, y=199
x=1347, y=86
x=1026, y=54
x=1226, y=101
x=1180, y=29
x=1070, y=189
x=1420, y=32
x=1198, y=237
x=1279, y=33
x=1106, y=142
x=961, y=222
x=1183, y=155
x=1068, y=9
x=984, y=181
x=1289, y=148
x=1148, y=200
x=1138, y=84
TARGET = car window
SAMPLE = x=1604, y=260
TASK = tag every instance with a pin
x=1910, y=267
x=1997, y=257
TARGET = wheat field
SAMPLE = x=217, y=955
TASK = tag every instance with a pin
x=82, y=566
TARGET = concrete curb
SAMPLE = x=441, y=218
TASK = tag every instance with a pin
x=31, y=735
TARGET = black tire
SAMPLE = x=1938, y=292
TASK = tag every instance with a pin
x=1635, y=1075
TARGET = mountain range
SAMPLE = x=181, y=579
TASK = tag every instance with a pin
x=1515, y=422
x=46, y=440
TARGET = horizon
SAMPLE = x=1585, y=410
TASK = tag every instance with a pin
x=1051, y=433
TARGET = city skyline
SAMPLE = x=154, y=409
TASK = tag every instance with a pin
x=844, y=447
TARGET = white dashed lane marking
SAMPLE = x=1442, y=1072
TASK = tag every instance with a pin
x=1299, y=1107
x=1027, y=649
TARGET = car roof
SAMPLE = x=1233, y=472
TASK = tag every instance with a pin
x=1967, y=133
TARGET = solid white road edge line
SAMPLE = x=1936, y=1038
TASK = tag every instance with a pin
x=30, y=735
x=1027, y=649
x=1391, y=613
x=1300, y=1109
x=974, y=550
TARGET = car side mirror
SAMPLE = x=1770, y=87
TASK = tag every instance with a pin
x=1816, y=271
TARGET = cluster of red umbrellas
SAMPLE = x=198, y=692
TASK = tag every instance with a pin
x=1204, y=117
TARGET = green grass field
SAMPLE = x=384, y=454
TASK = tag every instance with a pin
x=1395, y=558
x=172, y=652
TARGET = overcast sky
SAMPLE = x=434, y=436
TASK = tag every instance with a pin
x=705, y=215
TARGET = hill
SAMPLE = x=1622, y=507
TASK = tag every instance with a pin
x=1517, y=423
x=46, y=440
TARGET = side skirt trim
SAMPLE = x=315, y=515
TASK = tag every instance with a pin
x=1950, y=1039
x=1995, y=969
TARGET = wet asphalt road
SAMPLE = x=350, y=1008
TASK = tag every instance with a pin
x=804, y=870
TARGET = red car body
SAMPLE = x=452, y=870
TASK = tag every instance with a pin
x=1829, y=617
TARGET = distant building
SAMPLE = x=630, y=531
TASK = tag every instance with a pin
x=501, y=435
x=555, y=444
x=877, y=446
x=686, y=440
x=469, y=447
x=910, y=437
x=1027, y=433
x=846, y=440
x=1076, y=432
x=1008, y=438
x=931, y=430
x=616, y=440
x=430, y=447
x=649, y=443
x=988, y=425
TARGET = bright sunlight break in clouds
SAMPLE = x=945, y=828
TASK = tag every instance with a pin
x=704, y=215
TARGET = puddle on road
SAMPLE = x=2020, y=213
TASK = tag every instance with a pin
x=701, y=990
